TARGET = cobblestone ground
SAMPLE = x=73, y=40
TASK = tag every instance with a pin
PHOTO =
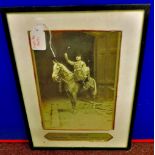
x=58, y=114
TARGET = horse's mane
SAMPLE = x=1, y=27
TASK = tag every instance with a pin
x=65, y=68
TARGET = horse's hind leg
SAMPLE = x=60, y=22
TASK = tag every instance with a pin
x=92, y=96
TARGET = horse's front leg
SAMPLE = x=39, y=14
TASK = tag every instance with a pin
x=73, y=99
x=73, y=90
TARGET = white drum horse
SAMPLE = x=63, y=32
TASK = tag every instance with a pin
x=62, y=74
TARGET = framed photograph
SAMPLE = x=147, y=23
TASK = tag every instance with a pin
x=77, y=69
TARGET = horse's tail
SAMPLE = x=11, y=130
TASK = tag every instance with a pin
x=95, y=88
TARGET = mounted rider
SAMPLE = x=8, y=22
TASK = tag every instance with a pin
x=81, y=71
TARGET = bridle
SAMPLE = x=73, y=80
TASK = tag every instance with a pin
x=60, y=79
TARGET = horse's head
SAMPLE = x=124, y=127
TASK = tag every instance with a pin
x=56, y=71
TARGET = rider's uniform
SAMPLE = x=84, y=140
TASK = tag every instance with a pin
x=81, y=71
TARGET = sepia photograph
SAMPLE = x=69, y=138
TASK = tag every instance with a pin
x=77, y=79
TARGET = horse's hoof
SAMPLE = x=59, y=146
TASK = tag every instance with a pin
x=74, y=111
x=94, y=106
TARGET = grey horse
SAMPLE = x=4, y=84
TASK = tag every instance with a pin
x=62, y=74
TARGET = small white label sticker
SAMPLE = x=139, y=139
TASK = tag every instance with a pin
x=38, y=40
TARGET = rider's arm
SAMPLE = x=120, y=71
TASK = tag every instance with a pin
x=69, y=61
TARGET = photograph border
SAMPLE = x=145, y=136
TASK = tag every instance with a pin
x=3, y=13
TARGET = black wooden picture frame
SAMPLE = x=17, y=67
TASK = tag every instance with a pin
x=68, y=143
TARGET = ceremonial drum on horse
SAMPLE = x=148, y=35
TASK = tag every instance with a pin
x=74, y=82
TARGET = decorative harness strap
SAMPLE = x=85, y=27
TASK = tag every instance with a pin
x=62, y=79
